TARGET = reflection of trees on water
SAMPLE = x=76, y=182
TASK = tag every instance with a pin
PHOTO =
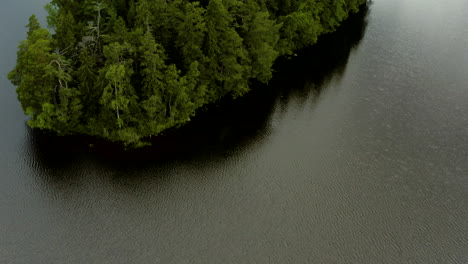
x=215, y=134
x=314, y=67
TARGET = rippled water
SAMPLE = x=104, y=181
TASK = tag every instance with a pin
x=357, y=152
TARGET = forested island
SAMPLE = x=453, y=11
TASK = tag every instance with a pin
x=126, y=70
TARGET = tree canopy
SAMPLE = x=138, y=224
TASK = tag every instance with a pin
x=127, y=70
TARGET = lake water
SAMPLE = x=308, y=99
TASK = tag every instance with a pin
x=357, y=152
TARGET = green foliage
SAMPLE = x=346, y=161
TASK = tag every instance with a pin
x=127, y=70
x=228, y=65
x=191, y=33
x=52, y=11
x=118, y=93
x=33, y=25
x=261, y=39
x=34, y=86
x=65, y=31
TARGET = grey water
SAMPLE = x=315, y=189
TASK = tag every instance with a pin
x=356, y=152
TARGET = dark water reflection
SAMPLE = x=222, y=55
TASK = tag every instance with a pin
x=223, y=130
x=356, y=152
x=64, y=165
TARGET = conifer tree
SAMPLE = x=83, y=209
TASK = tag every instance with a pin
x=228, y=64
x=127, y=70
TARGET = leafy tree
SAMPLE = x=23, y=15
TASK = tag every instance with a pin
x=118, y=93
x=68, y=104
x=34, y=86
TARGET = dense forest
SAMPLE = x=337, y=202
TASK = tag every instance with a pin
x=126, y=70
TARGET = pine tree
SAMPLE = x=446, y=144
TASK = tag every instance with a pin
x=261, y=40
x=127, y=70
x=153, y=64
x=228, y=65
x=191, y=34
x=65, y=31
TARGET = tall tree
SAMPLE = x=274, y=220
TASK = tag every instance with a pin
x=261, y=40
x=228, y=66
x=191, y=34
x=65, y=31
x=34, y=87
x=153, y=63
x=118, y=94
x=128, y=69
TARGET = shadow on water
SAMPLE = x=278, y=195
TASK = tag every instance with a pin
x=214, y=135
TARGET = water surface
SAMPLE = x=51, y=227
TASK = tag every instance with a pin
x=357, y=152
